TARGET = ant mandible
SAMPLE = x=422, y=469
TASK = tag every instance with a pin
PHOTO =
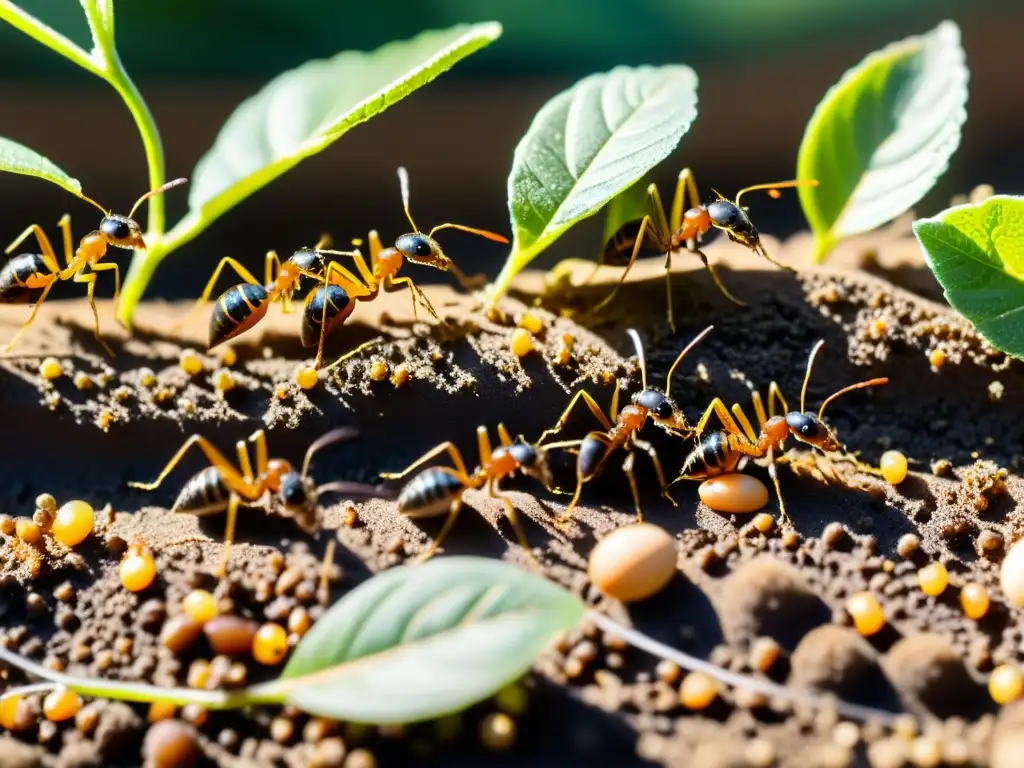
x=620, y=428
x=687, y=228
x=223, y=488
x=331, y=303
x=438, y=490
x=721, y=451
x=28, y=273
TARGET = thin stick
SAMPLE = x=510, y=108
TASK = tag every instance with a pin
x=692, y=663
x=639, y=347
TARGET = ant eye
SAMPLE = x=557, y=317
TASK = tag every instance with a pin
x=414, y=244
x=664, y=410
x=725, y=214
x=115, y=228
x=293, y=490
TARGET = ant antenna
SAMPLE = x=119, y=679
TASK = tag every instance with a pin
x=844, y=390
x=403, y=182
x=169, y=185
x=691, y=345
x=472, y=230
x=774, y=187
x=90, y=200
x=356, y=490
x=334, y=436
x=639, y=347
x=807, y=375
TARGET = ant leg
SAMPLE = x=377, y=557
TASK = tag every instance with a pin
x=764, y=252
x=686, y=183
x=89, y=278
x=353, y=353
x=741, y=417
x=591, y=404
x=364, y=271
x=775, y=481
x=244, y=464
x=229, y=533
x=483, y=444
x=717, y=407
x=567, y=515
x=627, y=467
x=271, y=267
x=325, y=241
x=44, y=245
x=647, y=223
x=494, y=492
x=391, y=283
x=65, y=231
x=613, y=410
x=108, y=266
x=215, y=457
x=447, y=446
x=259, y=439
x=31, y=317
x=227, y=261
x=504, y=436
x=345, y=280
x=775, y=394
x=453, y=515
x=692, y=247
x=647, y=448
x=375, y=246
x=467, y=283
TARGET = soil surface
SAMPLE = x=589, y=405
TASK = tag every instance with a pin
x=590, y=701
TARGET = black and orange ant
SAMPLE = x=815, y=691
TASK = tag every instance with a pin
x=687, y=228
x=721, y=451
x=620, y=428
x=242, y=306
x=223, y=488
x=438, y=490
x=29, y=277
x=332, y=302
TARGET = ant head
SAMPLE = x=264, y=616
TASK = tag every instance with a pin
x=121, y=231
x=309, y=260
x=532, y=460
x=299, y=497
x=422, y=249
x=809, y=429
x=662, y=409
x=732, y=219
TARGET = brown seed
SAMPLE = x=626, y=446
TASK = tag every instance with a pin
x=633, y=562
x=733, y=493
x=282, y=730
x=668, y=671
x=330, y=753
x=299, y=621
x=907, y=545
x=179, y=633
x=764, y=653
x=230, y=635
x=171, y=744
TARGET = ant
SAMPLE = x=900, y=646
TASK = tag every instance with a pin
x=221, y=487
x=333, y=301
x=688, y=227
x=27, y=273
x=242, y=306
x=437, y=490
x=721, y=451
x=621, y=427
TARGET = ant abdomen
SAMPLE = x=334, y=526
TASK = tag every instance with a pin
x=429, y=494
x=237, y=310
x=204, y=494
x=16, y=275
x=592, y=455
x=327, y=306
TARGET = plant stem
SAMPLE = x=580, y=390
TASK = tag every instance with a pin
x=768, y=688
x=51, y=38
x=28, y=690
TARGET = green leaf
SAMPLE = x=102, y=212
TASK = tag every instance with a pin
x=302, y=111
x=588, y=144
x=883, y=135
x=977, y=255
x=16, y=158
x=421, y=641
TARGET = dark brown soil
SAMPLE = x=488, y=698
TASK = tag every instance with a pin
x=592, y=702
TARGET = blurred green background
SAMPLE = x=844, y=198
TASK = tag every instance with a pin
x=763, y=65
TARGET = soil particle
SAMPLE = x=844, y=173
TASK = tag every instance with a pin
x=119, y=731
x=80, y=754
x=768, y=597
x=835, y=659
x=927, y=671
x=1008, y=737
x=18, y=754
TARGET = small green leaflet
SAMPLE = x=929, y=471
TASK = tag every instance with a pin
x=883, y=135
x=977, y=255
x=16, y=158
x=421, y=641
x=588, y=144
x=302, y=111
x=626, y=207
